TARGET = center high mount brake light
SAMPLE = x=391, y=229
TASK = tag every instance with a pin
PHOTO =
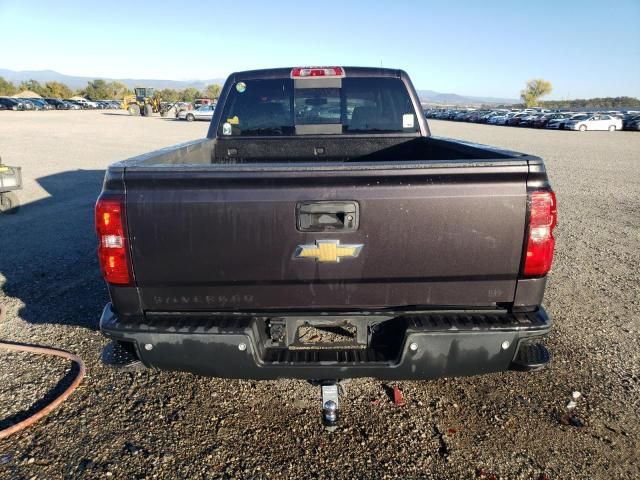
x=314, y=72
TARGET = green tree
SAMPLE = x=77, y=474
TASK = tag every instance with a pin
x=189, y=94
x=212, y=91
x=56, y=90
x=169, y=95
x=7, y=88
x=97, y=90
x=534, y=90
x=117, y=90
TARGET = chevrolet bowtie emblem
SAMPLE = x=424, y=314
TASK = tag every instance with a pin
x=328, y=251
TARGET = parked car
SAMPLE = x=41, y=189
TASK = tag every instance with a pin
x=10, y=103
x=73, y=104
x=631, y=123
x=199, y=102
x=501, y=119
x=204, y=112
x=110, y=104
x=488, y=116
x=26, y=104
x=559, y=123
x=515, y=120
x=528, y=120
x=239, y=255
x=86, y=104
x=41, y=104
x=542, y=121
x=57, y=103
x=594, y=122
x=81, y=105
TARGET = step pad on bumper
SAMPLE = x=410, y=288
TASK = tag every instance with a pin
x=122, y=356
x=531, y=356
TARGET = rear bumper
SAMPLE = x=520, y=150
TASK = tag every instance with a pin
x=431, y=345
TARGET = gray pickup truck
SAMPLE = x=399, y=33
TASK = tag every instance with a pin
x=320, y=232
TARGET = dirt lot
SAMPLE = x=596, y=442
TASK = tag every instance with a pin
x=170, y=425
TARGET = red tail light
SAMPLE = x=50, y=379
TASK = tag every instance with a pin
x=112, y=249
x=305, y=72
x=540, y=244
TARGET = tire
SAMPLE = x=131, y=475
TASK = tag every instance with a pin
x=9, y=203
x=583, y=128
x=190, y=117
x=134, y=110
x=148, y=110
x=612, y=128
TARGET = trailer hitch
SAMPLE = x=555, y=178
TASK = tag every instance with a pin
x=330, y=403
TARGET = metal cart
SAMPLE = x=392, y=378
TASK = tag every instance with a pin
x=10, y=181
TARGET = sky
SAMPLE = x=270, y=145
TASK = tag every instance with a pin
x=585, y=48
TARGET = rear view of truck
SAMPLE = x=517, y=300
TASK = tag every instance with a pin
x=320, y=232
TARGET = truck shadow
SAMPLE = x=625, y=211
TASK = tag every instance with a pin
x=47, y=253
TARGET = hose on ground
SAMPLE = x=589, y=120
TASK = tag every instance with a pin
x=55, y=402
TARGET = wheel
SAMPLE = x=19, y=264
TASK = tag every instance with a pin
x=148, y=110
x=583, y=128
x=190, y=117
x=9, y=203
x=134, y=110
x=612, y=128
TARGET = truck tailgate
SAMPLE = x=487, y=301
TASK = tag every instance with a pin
x=448, y=234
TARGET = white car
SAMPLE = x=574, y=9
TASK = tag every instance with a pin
x=594, y=122
x=87, y=103
x=205, y=112
x=501, y=119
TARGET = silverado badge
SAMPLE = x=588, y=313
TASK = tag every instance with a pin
x=328, y=251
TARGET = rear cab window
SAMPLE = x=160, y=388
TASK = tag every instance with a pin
x=286, y=106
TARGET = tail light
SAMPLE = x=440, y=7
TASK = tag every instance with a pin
x=540, y=243
x=112, y=249
x=305, y=72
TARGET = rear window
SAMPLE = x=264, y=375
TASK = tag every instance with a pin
x=353, y=106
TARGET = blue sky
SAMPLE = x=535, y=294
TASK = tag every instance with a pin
x=486, y=47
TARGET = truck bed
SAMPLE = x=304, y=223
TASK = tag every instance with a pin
x=392, y=150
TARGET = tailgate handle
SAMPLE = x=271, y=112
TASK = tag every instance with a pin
x=328, y=216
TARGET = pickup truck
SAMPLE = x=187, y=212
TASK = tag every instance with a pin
x=321, y=232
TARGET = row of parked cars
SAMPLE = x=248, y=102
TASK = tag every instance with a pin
x=540, y=118
x=12, y=103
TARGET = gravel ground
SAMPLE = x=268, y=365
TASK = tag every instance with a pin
x=172, y=425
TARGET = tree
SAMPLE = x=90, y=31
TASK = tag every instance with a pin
x=117, y=90
x=189, y=94
x=97, y=90
x=212, y=91
x=32, y=85
x=169, y=95
x=6, y=88
x=56, y=90
x=534, y=90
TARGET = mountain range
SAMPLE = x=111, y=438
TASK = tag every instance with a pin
x=73, y=81
x=429, y=96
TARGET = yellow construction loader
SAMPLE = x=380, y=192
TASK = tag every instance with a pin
x=145, y=102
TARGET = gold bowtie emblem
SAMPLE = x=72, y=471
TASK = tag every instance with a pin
x=328, y=251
